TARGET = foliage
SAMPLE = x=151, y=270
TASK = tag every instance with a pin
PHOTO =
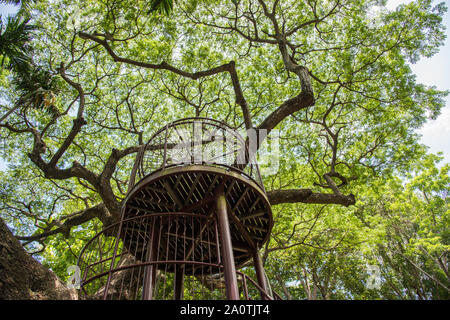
x=398, y=226
x=14, y=38
x=332, y=76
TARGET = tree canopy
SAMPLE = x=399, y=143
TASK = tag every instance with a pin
x=84, y=84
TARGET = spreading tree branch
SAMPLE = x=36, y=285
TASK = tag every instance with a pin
x=64, y=224
x=308, y=196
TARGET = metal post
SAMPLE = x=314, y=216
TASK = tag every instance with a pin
x=113, y=260
x=244, y=285
x=150, y=270
x=259, y=269
x=138, y=161
x=226, y=246
x=165, y=147
x=179, y=279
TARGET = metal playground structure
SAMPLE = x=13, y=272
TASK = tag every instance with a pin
x=193, y=221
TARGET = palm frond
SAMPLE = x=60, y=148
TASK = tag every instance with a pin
x=161, y=6
x=15, y=36
x=37, y=89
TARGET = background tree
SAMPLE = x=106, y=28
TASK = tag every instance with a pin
x=399, y=226
x=332, y=76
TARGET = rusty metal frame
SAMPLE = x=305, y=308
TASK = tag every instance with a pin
x=139, y=170
x=173, y=193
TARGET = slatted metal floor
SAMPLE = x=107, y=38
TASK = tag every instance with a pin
x=190, y=189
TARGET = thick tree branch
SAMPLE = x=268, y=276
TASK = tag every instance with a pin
x=228, y=67
x=307, y=196
x=22, y=277
x=302, y=101
x=100, y=183
x=106, y=191
x=306, y=96
x=66, y=223
x=77, y=123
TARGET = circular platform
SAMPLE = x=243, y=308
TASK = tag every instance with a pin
x=191, y=189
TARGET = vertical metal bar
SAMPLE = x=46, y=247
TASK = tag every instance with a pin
x=244, y=285
x=169, y=225
x=210, y=256
x=179, y=279
x=226, y=246
x=198, y=142
x=216, y=234
x=158, y=257
x=141, y=257
x=201, y=258
x=261, y=184
x=177, y=267
x=193, y=257
x=113, y=259
x=137, y=162
x=165, y=148
x=260, y=273
x=193, y=143
x=127, y=238
x=184, y=246
x=150, y=270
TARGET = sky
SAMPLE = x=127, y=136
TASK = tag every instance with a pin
x=434, y=71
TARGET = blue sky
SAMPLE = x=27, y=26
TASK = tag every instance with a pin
x=429, y=71
x=435, y=71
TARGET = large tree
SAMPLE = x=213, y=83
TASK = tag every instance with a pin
x=332, y=76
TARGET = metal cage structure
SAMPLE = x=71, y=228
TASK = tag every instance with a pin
x=195, y=215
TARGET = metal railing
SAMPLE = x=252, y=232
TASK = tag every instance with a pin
x=192, y=141
x=114, y=263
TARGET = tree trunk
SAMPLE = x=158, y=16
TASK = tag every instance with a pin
x=22, y=277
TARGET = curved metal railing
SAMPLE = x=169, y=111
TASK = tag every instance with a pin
x=196, y=141
x=114, y=262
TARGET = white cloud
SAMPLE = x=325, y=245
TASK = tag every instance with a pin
x=392, y=4
x=435, y=71
x=436, y=133
x=7, y=9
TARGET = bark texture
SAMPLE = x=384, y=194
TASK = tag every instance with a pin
x=24, y=278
